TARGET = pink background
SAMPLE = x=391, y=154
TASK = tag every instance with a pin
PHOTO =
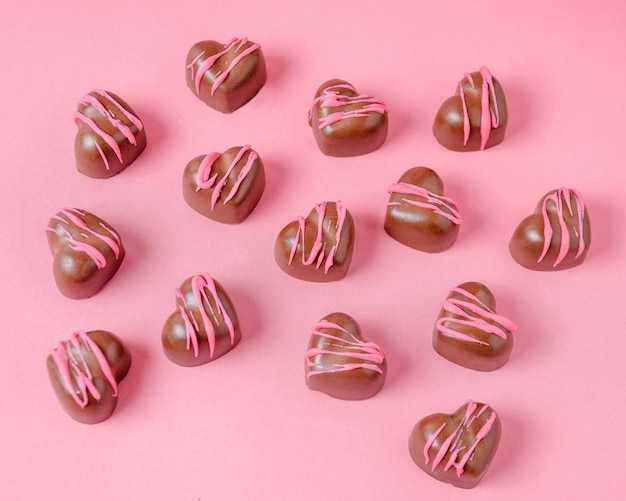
x=245, y=426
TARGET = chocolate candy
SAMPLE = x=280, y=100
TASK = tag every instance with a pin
x=225, y=187
x=110, y=135
x=85, y=372
x=474, y=118
x=340, y=363
x=226, y=76
x=204, y=326
x=556, y=236
x=346, y=123
x=469, y=332
x=457, y=448
x=317, y=248
x=87, y=252
x=418, y=215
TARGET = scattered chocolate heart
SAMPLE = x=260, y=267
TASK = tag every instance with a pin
x=110, y=135
x=85, y=372
x=418, y=215
x=346, y=123
x=204, y=326
x=340, y=363
x=457, y=448
x=225, y=187
x=474, y=118
x=470, y=333
x=317, y=248
x=87, y=252
x=556, y=236
x=226, y=76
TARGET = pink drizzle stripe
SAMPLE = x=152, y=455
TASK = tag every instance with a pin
x=443, y=206
x=78, y=234
x=454, y=445
x=331, y=98
x=366, y=355
x=490, y=114
x=203, y=286
x=236, y=44
x=557, y=198
x=94, y=99
x=70, y=360
x=317, y=254
x=475, y=314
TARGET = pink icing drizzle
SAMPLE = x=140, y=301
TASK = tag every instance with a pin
x=235, y=45
x=205, y=180
x=490, y=116
x=317, y=253
x=441, y=205
x=454, y=442
x=331, y=98
x=475, y=314
x=202, y=286
x=557, y=199
x=368, y=355
x=78, y=233
x=70, y=359
x=93, y=101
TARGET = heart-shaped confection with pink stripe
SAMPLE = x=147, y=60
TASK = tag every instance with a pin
x=419, y=215
x=227, y=186
x=110, y=135
x=470, y=333
x=226, y=76
x=556, y=236
x=457, y=448
x=87, y=252
x=475, y=118
x=317, y=248
x=204, y=326
x=340, y=363
x=85, y=372
x=346, y=123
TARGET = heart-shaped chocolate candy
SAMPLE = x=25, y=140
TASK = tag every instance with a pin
x=474, y=118
x=470, y=333
x=317, y=248
x=87, y=252
x=204, y=326
x=110, y=135
x=346, y=123
x=457, y=448
x=340, y=363
x=556, y=236
x=418, y=215
x=226, y=76
x=85, y=372
x=225, y=187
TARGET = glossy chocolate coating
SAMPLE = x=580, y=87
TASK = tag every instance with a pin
x=418, y=215
x=204, y=326
x=469, y=333
x=346, y=123
x=87, y=252
x=225, y=76
x=457, y=448
x=225, y=187
x=110, y=135
x=340, y=363
x=467, y=121
x=84, y=372
x=317, y=248
x=556, y=236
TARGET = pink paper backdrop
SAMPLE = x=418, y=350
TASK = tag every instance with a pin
x=246, y=427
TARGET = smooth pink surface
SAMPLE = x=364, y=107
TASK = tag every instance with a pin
x=245, y=426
